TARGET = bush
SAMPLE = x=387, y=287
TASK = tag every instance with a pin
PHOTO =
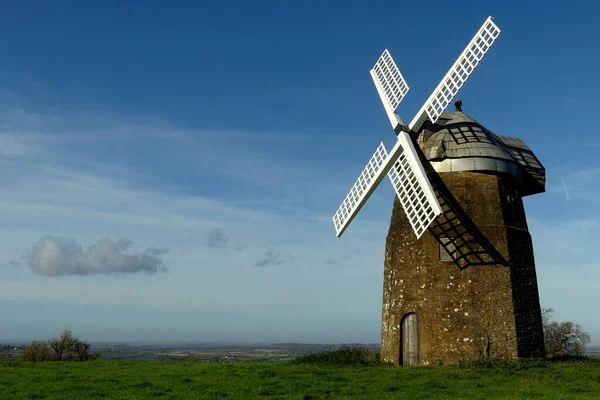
x=62, y=348
x=36, y=352
x=343, y=356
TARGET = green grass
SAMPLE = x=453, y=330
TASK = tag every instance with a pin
x=190, y=380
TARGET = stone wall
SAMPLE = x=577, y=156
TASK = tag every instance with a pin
x=465, y=311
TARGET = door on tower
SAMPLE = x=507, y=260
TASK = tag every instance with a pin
x=409, y=340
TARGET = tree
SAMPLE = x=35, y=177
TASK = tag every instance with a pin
x=62, y=345
x=563, y=338
x=62, y=348
x=81, y=352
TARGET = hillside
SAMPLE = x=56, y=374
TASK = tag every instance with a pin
x=193, y=380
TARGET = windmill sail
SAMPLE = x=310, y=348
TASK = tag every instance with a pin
x=390, y=85
x=360, y=191
x=457, y=75
x=413, y=187
x=410, y=182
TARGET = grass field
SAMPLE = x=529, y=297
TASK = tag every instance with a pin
x=192, y=380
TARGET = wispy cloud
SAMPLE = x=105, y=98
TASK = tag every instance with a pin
x=334, y=263
x=68, y=182
x=216, y=238
x=583, y=184
x=204, y=195
x=11, y=146
x=270, y=258
x=565, y=244
x=565, y=187
x=56, y=256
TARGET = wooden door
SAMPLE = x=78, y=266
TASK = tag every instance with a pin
x=409, y=336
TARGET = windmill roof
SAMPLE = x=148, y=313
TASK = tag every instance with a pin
x=457, y=135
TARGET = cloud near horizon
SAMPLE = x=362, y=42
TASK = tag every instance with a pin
x=56, y=256
x=216, y=238
x=271, y=257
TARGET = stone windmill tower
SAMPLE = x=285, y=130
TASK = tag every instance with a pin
x=469, y=288
x=459, y=274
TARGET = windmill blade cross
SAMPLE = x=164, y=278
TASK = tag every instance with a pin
x=403, y=165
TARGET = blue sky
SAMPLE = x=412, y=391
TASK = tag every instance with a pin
x=201, y=149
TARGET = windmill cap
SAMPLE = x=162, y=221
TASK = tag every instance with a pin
x=462, y=144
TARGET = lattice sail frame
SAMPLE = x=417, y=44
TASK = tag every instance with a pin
x=390, y=84
x=391, y=80
x=456, y=77
x=408, y=177
x=360, y=191
x=412, y=186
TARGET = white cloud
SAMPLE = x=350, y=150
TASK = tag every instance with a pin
x=56, y=256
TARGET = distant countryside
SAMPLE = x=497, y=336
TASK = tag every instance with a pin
x=283, y=371
x=207, y=353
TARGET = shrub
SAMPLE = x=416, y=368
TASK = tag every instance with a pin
x=36, y=352
x=62, y=348
x=343, y=356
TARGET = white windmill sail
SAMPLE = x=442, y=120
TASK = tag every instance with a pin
x=408, y=175
x=392, y=88
x=360, y=191
x=458, y=74
x=412, y=186
x=408, y=178
x=390, y=85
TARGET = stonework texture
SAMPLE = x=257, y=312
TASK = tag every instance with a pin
x=475, y=309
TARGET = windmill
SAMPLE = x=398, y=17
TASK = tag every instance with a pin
x=469, y=288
